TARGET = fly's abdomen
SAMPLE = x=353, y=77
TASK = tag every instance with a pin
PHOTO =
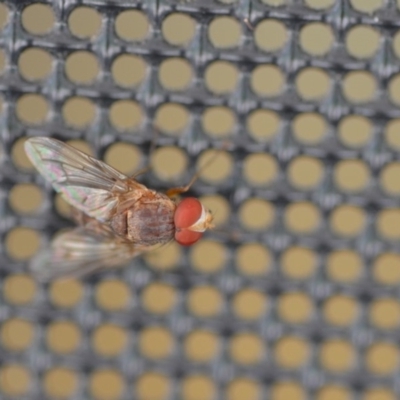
x=151, y=220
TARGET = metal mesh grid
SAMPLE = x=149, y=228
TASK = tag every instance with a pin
x=303, y=301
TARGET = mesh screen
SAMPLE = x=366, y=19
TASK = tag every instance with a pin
x=295, y=294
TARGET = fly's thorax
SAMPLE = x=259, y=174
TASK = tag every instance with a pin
x=150, y=220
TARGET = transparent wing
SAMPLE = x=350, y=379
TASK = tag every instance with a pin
x=79, y=252
x=86, y=183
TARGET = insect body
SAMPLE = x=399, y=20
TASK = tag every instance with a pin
x=119, y=218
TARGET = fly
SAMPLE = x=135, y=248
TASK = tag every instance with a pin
x=118, y=218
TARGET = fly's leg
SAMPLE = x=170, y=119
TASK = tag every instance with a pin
x=148, y=166
x=173, y=192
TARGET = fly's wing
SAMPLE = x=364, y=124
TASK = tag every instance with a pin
x=86, y=183
x=80, y=251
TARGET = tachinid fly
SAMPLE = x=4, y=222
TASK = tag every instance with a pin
x=118, y=217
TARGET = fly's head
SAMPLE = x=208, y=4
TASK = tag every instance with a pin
x=191, y=220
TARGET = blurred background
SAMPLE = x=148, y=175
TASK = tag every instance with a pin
x=295, y=295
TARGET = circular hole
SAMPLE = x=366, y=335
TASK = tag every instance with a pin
x=319, y=4
x=35, y=64
x=253, y=259
x=82, y=67
x=153, y=385
x=291, y=352
x=355, y=131
x=347, y=221
x=32, y=109
x=79, y=112
x=270, y=35
x=201, y=346
x=198, y=387
x=221, y=77
x=351, y=176
x=332, y=392
x=298, y=263
x=169, y=163
x=246, y=348
x=15, y=380
x=128, y=70
x=243, y=388
x=205, y=301
x=388, y=224
x=60, y=382
x=386, y=269
x=109, y=340
x=172, y=119
x=207, y=256
x=63, y=337
x=132, y=25
x=367, y=7
x=249, y=304
x=305, y=173
x=159, y=298
x=382, y=358
x=337, y=356
x=389, y=179
x=66, y=293
x=313, y=84
x=295, y=308
x=302, y=218
x=113, y=295
x=19, y=289
x=84, y=22
x=263, y=125
x=126, y=115
x=257, y=214
x=316, y=38
x=156, y=342
x=218, y=121
x=267, y=81
x=385, y=313
x=25, y=198
x=309, y=128
x=4, y=16
x=106, y=384
x=340, y=310
x=16, y=334
x=175, y=74
x=224, y=32
x=392, y=136
x=396, y=44
x=260, y=169
x=214, y=166
x=38, y=19
x=165, y=258
x=394, y=89
x=362, y=41
x=22, y=243
x=3, y=61
x=125, y=157
x=359, y=87
x=287, y=390
x=178, y=29
x=219, y=207
x=344, y=266
x=379, y=394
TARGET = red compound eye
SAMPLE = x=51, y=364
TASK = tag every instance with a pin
x=187, y=213
x=186, y=237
